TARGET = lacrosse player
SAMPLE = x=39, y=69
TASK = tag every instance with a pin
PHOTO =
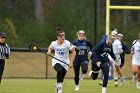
x=136, y=61
x=100, y=60
x=82, y=47
x=117, y=49
x=126, y=50
x=61, y=48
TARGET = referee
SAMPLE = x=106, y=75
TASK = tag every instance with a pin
x=4, y=53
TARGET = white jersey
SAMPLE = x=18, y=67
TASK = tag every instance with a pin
x=117, y=49
x=136, y=55
x=61, y=52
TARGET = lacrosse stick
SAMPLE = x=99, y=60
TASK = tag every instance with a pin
x=34, y=47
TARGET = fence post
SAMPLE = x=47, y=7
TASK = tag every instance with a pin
x=46, y=66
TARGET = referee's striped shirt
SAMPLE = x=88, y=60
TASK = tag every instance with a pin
x=4, y=49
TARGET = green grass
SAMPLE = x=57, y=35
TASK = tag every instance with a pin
x=47, y=86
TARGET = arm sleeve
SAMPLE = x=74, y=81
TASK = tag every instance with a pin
x=90, y=45
x=7, y=50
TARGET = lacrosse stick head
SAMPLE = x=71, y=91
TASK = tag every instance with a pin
x=33, y=46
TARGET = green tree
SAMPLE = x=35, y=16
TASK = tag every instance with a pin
x=10, y=29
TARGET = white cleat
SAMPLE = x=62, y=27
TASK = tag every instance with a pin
x=116, y=83
x=76, y=88
x=122, y=81
x=81, y=76
x=138, y=85
x=59, y=90
x=90, y=74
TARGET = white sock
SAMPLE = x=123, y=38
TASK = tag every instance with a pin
x=59, y=84
x=103, y=89
x=77, y=85
x=134, y=76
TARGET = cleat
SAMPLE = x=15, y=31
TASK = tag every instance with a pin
x=122, y=81
x=59, y=90
x=116, y=85
x=101, y=83
x=116, y=82
x=76, y=88
x=90, y=74
x=81, y=76
x=138, y=85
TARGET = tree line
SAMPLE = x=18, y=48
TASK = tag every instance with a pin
x=26, y=21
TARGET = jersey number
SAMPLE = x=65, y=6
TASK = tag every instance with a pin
x=81, y=52
x=61, y=53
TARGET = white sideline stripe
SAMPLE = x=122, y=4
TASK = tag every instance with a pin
x=74, y=84
x=89, y=90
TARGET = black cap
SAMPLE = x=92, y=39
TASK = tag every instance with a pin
x=2, y=34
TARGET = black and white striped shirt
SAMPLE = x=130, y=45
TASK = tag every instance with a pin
x=4, y=51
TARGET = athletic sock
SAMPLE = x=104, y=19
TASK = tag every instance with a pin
x=116, y=82
x=103, y=89
x=134, y=78
x=59, y=85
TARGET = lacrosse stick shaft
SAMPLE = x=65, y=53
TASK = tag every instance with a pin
x=130, y=47
x=134, y=43
x=51, y=56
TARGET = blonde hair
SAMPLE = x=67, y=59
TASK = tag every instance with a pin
x=110, y=38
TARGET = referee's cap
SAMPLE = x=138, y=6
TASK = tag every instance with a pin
x=2, y=34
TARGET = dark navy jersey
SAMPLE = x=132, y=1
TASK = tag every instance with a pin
x=126, y=50
x=100, y=52
x=82, y=48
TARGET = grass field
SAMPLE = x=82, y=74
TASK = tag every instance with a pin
x=33, y=65
x=47, y=86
